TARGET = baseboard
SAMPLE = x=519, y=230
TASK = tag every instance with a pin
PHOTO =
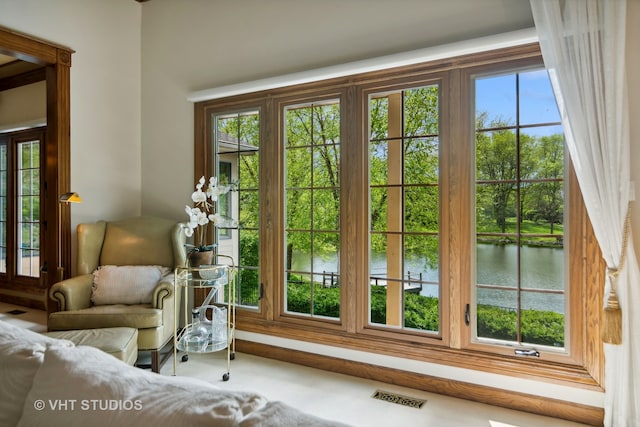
x=493, y=396
x=23, y=299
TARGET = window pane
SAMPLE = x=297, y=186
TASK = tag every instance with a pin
x=496, y=101
x=537, y=101
x=543, y=326
x=519, y=201
x=496, y=316
x=404, y=209
x=299, y=167
x=299, y=208
x=543, y=267
x=249, y=215
x=248, y=278
x=497, y=264
x=299, y=293
x=379, y=121
x=236, y=137
x=421, y=111
x=421, y=160
x=312, y=195
x=28, y=215
x=325, y=166
x=378, y=207
x=326, y=209
x=421, y=209
x=496, y=209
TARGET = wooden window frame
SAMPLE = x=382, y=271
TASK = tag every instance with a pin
x=12, y=141
x=55, y=233
x=453, y=348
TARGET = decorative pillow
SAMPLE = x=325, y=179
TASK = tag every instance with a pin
x=128, y=284
x=21, y=353
x=97, y=389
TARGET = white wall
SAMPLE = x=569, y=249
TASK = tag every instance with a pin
x=195, y=44
x=105, y=95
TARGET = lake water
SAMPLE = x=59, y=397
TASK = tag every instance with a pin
x=541, y=268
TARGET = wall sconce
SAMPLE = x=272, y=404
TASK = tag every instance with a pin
x=66, y=199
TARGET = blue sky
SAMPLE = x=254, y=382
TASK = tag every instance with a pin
x=497, y=96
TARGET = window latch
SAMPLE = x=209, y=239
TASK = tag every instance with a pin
x=467, y=315
x=261, y=291
x=532, y=352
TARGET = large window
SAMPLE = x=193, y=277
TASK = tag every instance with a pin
x=425, y=212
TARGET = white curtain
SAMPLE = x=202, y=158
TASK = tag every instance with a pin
x=583, y=46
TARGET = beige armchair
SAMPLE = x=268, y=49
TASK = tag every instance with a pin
x=136, y=241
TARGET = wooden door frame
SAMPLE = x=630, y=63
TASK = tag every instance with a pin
x=55, y=222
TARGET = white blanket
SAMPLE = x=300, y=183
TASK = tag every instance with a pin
x=51, y=382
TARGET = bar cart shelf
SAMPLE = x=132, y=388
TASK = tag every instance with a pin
x=212, y=324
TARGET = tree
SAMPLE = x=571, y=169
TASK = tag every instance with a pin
x=496, y=168
x=548, y=197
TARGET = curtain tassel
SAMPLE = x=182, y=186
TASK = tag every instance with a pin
x=612, y=314
x=612, y=320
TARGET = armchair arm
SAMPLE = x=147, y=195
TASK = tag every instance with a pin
x=73, y=293
x=163, y=293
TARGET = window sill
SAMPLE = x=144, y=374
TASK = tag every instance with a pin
x=537, y=370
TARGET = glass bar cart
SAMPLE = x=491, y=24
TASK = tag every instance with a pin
x=212, y=324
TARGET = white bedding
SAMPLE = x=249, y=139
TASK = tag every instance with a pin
x=47, y=382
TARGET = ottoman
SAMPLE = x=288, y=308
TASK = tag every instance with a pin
x=121, y=343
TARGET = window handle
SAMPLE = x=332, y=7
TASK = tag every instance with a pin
x=532, y=352
x=467, y=316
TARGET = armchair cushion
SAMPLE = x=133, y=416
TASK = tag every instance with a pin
x=140, y=316
x=127, y=284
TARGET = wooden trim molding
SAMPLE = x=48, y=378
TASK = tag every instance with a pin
x=57, y=158
x=489, y=395
x=23, y=79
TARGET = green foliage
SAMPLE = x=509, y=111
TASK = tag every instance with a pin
x=378, y=304
x=248, y=290
x=538, y=327
x=421, y=312
x=543, y=327
x=326, y=300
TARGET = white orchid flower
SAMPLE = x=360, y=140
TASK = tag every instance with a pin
x=200, y=183
x=215, y=218
x=199, y=197
x=202, y=218
x=202, y=211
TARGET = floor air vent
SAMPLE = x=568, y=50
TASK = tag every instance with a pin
x=387, y=396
